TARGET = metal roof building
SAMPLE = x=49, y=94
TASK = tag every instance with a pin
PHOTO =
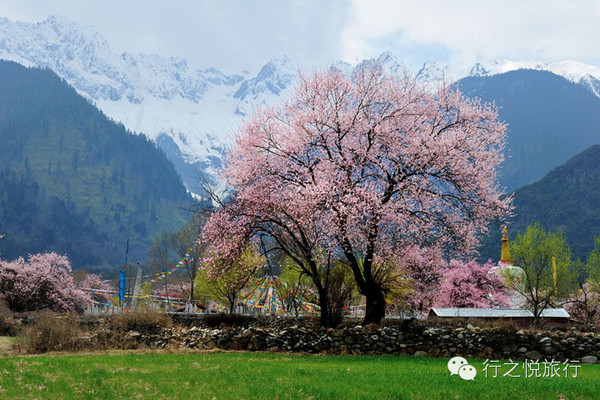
x=495, y=313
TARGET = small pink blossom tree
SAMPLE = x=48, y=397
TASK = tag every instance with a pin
x=471, y=285
x=97, y=288
x=584, y=307
x=424, y=268
x=43, y=281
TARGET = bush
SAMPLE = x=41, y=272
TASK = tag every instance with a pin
x=143, y=322
x=7, y=324
x=7, y=328
x=51, y=333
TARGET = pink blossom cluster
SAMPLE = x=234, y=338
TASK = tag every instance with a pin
x=425, y=268
x=93, y=281
x=471, y=285
x=43, y=281
x=584, y=307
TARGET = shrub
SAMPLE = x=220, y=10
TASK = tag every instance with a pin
x=51, y=333
x=144, y=322
x=7, y=324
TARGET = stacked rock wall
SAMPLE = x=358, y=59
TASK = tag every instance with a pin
x=419, y=338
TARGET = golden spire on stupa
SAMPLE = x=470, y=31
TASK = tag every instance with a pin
x=505, y=255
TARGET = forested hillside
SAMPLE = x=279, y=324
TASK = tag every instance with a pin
x=549, y=120
x=75, y=182
x=568, y=198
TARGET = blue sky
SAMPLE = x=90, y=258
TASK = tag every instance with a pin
x=244, y=34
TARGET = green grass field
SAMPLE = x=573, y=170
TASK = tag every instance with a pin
x=270, y=376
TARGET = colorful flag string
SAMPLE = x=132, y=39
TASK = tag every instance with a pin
x=162, y=275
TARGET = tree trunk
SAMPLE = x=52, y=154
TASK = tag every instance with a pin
x=375, y=311
x=232, y=304
x=325, y=319
x=192, y=291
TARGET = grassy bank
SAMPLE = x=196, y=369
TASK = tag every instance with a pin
x=270, y=376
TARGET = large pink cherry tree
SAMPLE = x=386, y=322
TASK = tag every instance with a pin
x=374, y=163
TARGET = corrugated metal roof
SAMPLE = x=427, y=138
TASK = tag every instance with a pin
x=555, y=313
x=497, y=313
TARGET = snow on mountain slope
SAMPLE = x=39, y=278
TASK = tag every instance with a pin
x=584, y=74
x=275, y=78
x=198, y=110
x=436, y=72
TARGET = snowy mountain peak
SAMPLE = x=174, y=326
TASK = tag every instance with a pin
x=64, y=27
x=280, y=71
x=436, y=72
x=571, y=70
x=387, y=60
x=343, y=66
x=478, y=70
x=577, y=72
x=195, y=111
x=584, y=74
x=274, y=80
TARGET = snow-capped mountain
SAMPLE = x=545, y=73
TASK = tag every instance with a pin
x=583, y=74
x=193, y=113
x=436, y=72
x=198, y=110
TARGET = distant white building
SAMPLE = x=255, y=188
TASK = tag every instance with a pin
x=497, y=313
x=508, y=271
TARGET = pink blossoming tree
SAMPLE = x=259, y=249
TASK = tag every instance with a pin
x=584, y=306
x=98, y=289
x=370, y=164
x=43, y=281
x=424, y=268
x=258, y=211
x=471, y=285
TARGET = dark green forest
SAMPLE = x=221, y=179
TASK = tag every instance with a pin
x=549, y=120
x=75, y=182
x=568, y=198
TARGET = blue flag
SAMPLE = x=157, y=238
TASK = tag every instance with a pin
x=122, y=285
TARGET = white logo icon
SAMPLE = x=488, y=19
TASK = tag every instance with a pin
x=467, y=372
x=459, y=366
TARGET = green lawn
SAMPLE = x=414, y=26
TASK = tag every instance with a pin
x=271, y=376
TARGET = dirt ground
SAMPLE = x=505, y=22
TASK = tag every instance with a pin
x=6, y=346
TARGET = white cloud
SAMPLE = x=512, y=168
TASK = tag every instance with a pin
x=471, y=30
x=241, y=34
x=234, y=35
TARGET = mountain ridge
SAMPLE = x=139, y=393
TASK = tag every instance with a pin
x=86, y=184
x=550, y=120
x=566, y=198
x=199, y=110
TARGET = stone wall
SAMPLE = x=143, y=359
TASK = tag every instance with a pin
x=418, y=338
